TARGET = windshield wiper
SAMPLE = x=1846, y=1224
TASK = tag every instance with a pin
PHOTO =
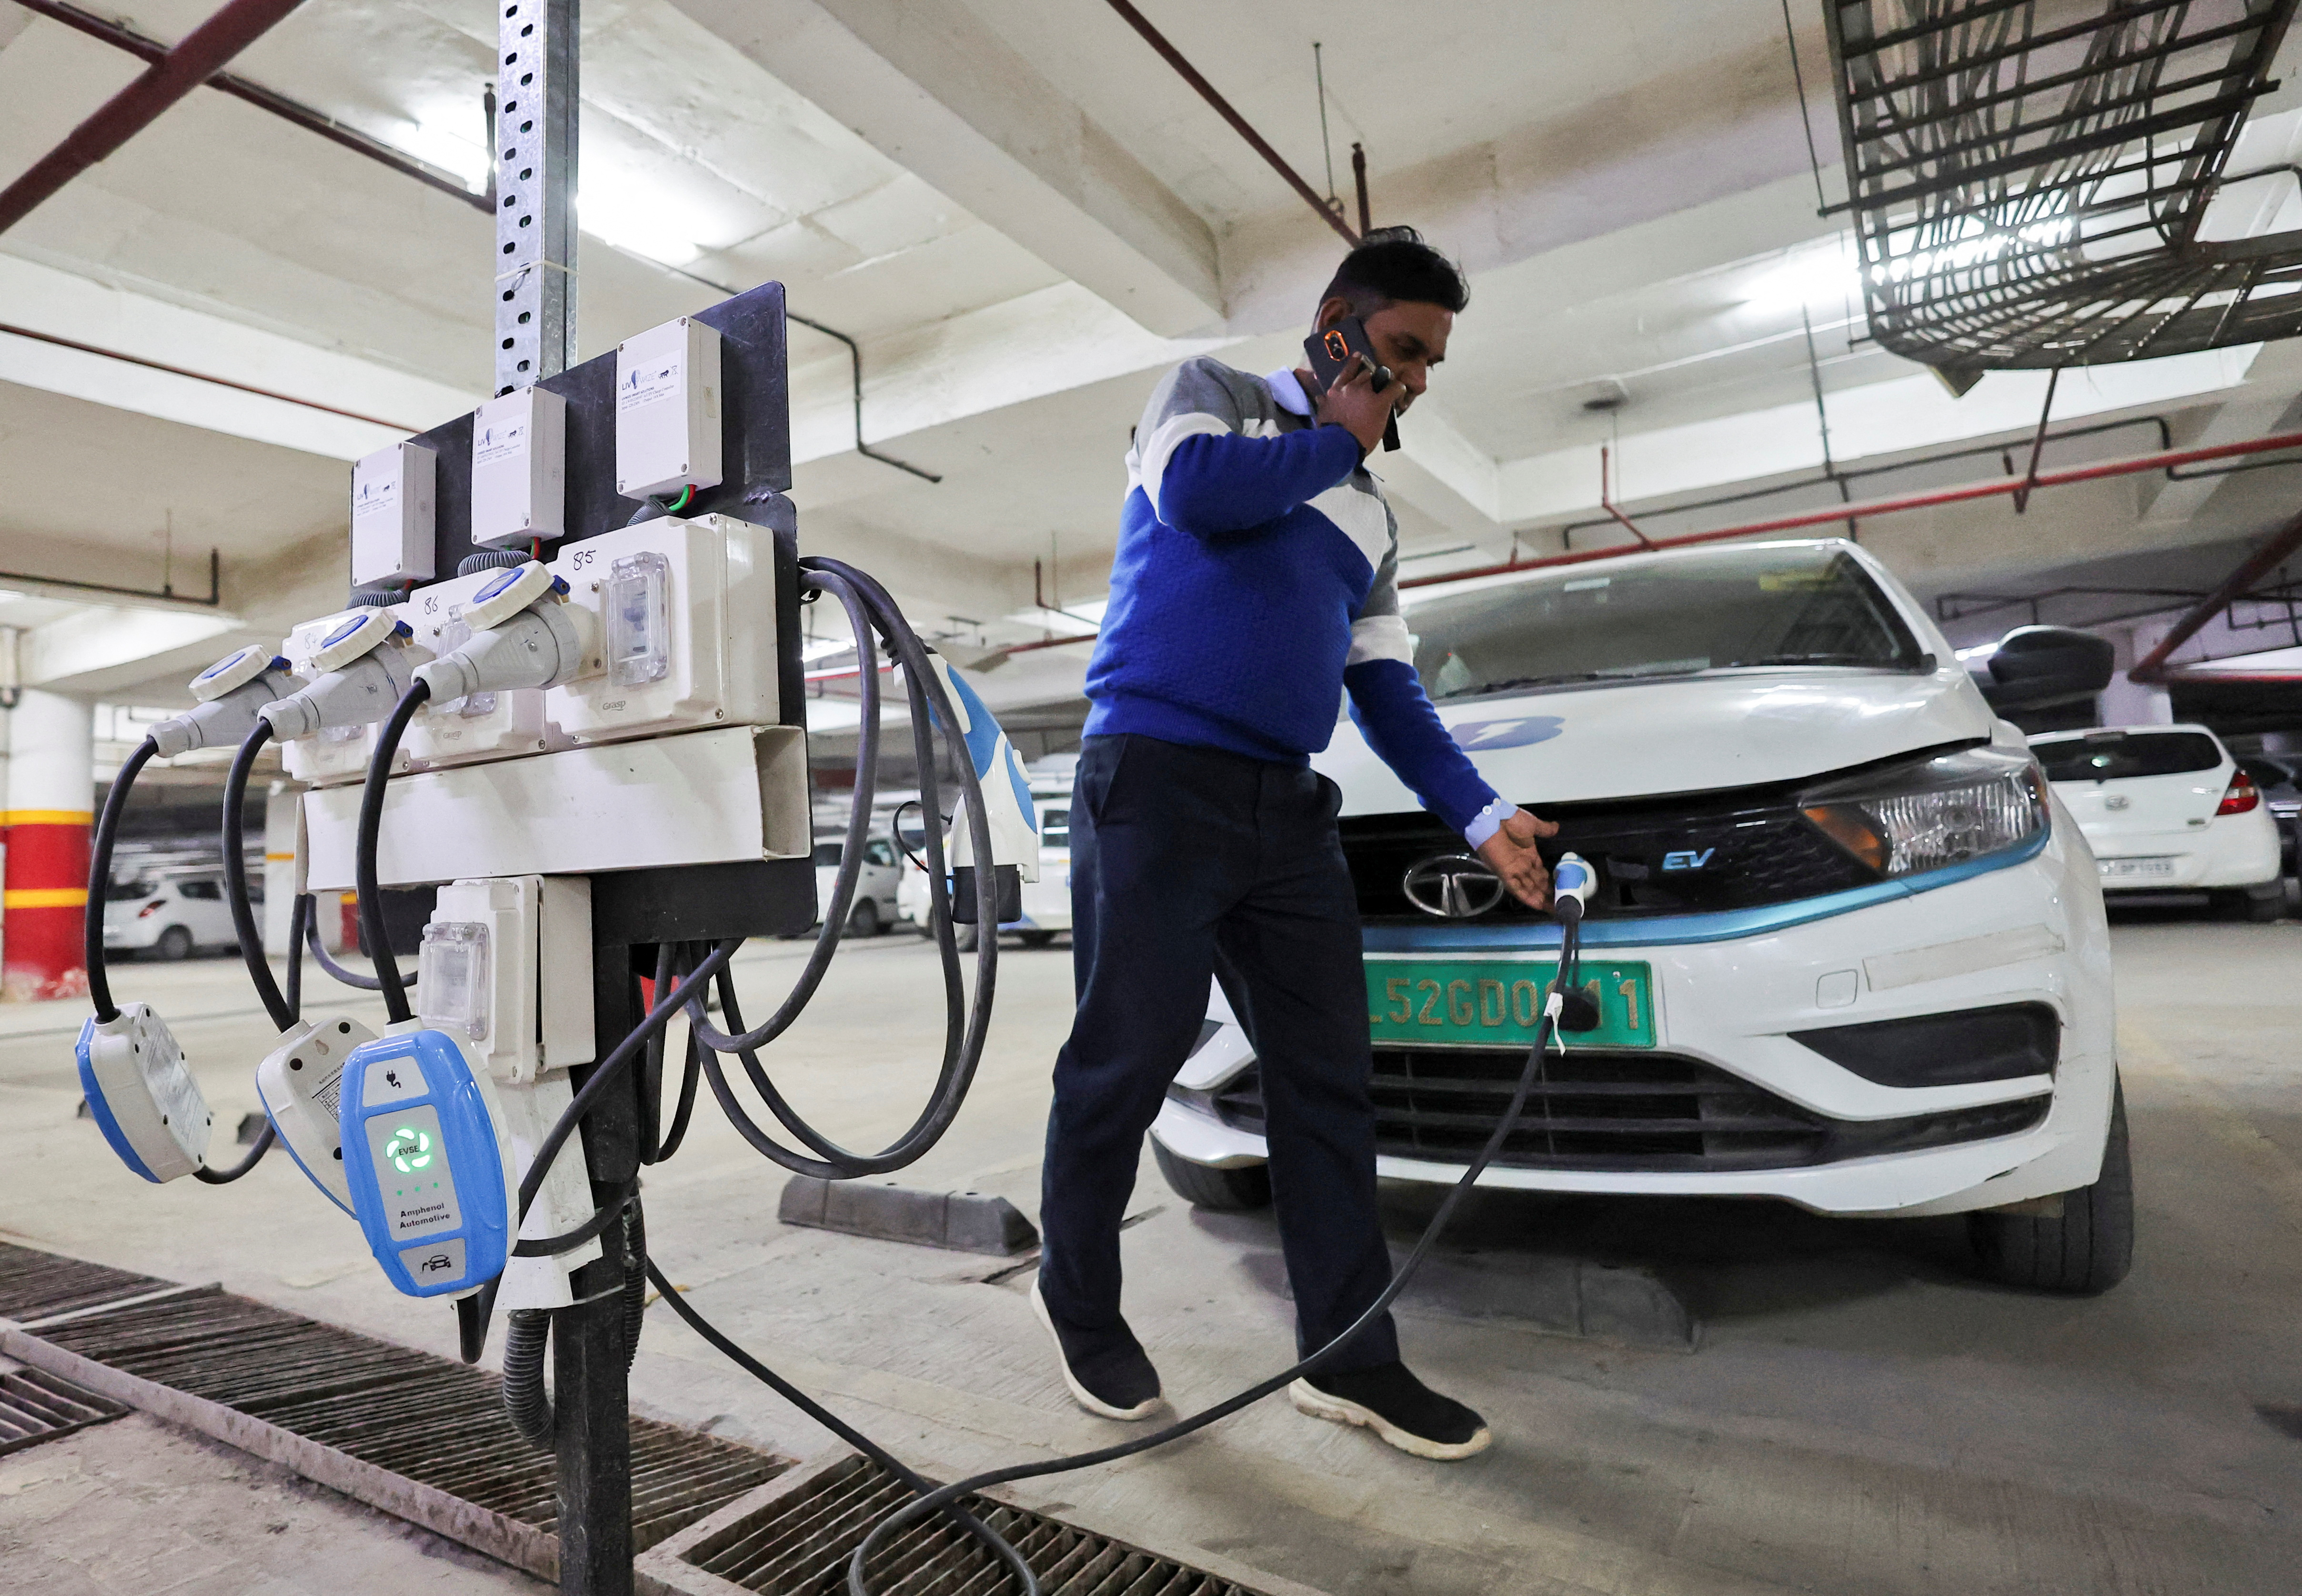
x=1839, y=658
x=1631, y=673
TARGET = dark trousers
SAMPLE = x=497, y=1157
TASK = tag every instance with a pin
x=1187, y=863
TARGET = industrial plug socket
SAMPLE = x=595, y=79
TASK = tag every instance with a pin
x=541, y=646
x=360, y=693
x=223, y=721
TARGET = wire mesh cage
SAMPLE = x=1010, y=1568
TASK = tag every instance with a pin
x=2031, y=180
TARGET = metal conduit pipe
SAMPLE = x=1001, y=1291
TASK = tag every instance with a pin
x=2151, y=668
x=198, y=56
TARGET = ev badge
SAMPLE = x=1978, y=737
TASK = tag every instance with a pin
x=1518, y=731
x=2116, y=801
x=1452, y=886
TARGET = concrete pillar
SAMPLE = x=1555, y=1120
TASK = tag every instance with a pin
x=51, y=795
x=282, y=806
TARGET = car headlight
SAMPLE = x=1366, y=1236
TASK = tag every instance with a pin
x=1937, y=813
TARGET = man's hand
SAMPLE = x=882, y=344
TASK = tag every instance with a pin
x=1510, y=854
x=1353, y=403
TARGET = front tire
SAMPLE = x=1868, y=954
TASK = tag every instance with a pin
x=1204, y=1186
x=2085, y=1252
x=2251, y=903
x=1038, y=938
x=175, y=943
x=863, y=919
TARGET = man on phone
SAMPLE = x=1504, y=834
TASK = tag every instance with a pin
x=1255, y=583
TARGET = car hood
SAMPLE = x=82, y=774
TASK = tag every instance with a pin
x=1647, y=739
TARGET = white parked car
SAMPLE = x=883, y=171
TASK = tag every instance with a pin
x=872, y=910
x=173, y=917
x=2166, y=809
x=1849, y=950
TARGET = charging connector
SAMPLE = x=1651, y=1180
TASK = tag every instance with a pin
x=144, y=1101
x=367, y=666
x=524, y=634
x=232, y=692
x=300, y=1083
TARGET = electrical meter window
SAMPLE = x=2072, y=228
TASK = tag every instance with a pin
x=639, y=619
x=451, y=979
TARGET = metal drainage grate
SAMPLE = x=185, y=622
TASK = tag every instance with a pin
x=407, y=1413
x=35, y=1407
x=799, y=1544
x=34, y=1285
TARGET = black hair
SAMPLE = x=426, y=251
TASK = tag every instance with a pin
x=1392, y=263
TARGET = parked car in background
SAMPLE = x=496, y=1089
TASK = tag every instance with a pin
x=1847, y=948
x=2279, y=778
x=2166, y=809
x=1046, y=902
x=171, y=917
x=874, y=906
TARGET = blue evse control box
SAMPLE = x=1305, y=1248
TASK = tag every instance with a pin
x=428, y=1176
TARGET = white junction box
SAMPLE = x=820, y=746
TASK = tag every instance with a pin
x=339, y=753
x=393, y=510
x=688, y=627
x=478, y=725
x=506, y=967
x=667, y=414
x=519, y=468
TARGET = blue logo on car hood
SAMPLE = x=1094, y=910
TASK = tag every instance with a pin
x=1477, y=736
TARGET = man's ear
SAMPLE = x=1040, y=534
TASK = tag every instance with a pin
x=1332, y=312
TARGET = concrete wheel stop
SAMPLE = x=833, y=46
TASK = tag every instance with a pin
x=965, y=1222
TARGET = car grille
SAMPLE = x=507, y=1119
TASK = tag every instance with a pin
x=1743, y=849
x=1619, y=1112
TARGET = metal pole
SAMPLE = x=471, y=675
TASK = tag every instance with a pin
x=536, y=99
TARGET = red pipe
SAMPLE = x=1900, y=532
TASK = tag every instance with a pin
x=13, y=331
x=1174, y=58
x=2151, y=668
x=198, y=56
x=1996, y=487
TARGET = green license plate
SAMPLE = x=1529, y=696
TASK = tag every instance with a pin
x=1490, y=1002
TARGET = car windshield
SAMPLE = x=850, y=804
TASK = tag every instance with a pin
x=1055, y=828
x=2109, y=756
x=1721, y=610
x=122, y=892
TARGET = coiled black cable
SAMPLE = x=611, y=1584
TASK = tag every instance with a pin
x=1567, y=977
x=235, y=877
x=389, y=981
x=319, y=956
x=99, y=879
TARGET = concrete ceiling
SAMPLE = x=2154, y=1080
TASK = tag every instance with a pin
x=1024, y=216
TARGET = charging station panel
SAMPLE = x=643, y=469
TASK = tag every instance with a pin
x=430, y=1180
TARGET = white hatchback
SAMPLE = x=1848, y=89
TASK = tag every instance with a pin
x=172, y=917
x=2166, y=809
x=1849, y=950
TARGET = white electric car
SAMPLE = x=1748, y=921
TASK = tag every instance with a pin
x=2166, y=809
x=171, y=917
x=1849, y=950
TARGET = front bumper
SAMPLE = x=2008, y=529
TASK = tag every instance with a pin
x=2029, y=932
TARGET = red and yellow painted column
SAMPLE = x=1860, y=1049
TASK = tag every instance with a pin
x=51, y=787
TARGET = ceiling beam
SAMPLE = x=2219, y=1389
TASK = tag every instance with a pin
x=932, y=88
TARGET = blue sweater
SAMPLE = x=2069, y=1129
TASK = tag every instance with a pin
x=1257, y=582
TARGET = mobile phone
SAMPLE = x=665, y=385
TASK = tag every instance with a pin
x=1333, y=352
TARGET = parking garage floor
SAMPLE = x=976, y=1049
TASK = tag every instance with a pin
x=1859, y=1415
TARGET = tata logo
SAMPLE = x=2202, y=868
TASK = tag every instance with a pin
x=1520, y=731
x=1687, y=859
x=1452, y=886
